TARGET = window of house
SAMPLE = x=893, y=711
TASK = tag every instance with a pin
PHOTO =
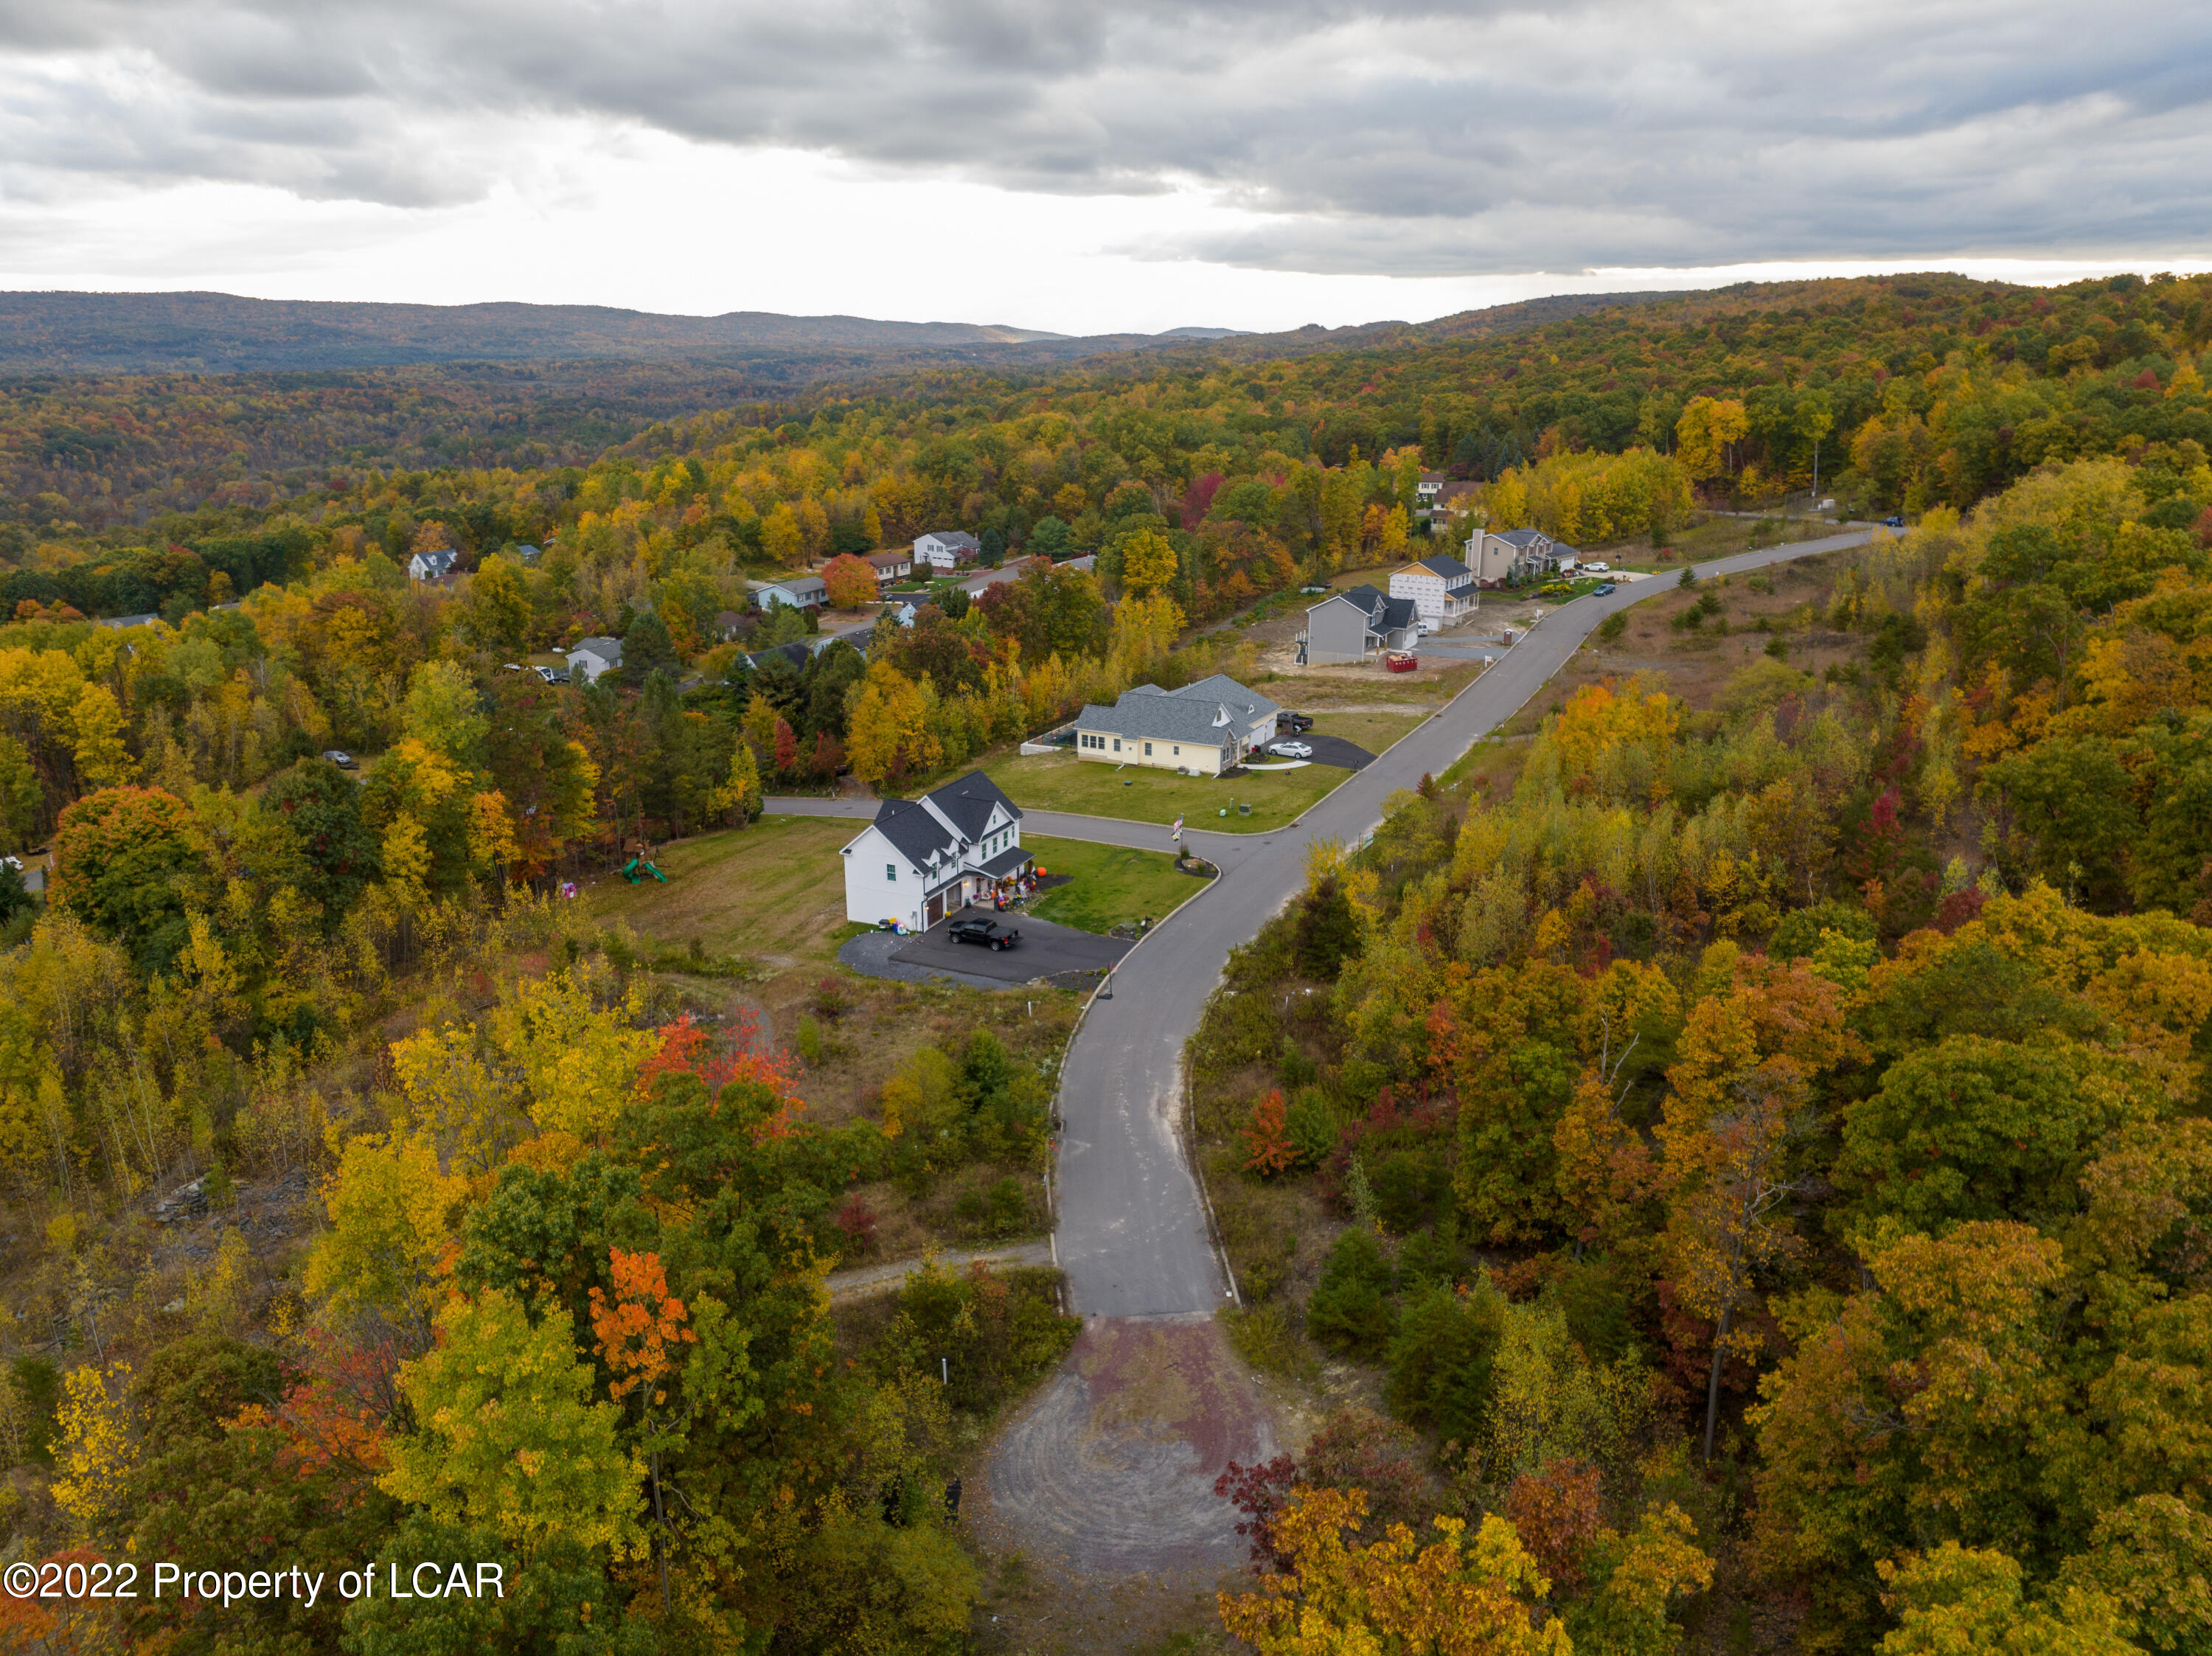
x=1148, y=751
x=1178, y=752
x=890, y=873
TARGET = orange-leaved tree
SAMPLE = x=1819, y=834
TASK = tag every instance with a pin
x=638, y=1331
x=851, y=581
x=1268, y=1138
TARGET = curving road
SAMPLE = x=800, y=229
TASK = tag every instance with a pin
x=1110, y=1466
x=1132, y=1236
x=1132, y=1231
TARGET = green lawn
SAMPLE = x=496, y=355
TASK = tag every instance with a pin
x=1112, y=884
x=1373, y=732
x=777, y=887
x=1063, y=782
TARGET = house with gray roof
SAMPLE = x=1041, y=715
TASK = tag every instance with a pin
x=1358, y=624
x=1442, y=588
x=921, y=859
x=1516, y=555
x=946, y=549
x=1201, y=730
x=798, y=592
x=590, y=657
x=431, y=565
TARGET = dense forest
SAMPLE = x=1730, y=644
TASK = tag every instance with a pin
x=1765, y=1142
x=1757, y=1148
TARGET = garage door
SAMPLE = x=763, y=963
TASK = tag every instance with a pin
x=936, y=908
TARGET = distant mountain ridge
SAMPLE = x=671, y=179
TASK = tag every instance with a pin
x=191, y=332
x=221, y=333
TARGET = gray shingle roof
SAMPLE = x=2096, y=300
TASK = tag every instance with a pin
x=1523, y=537
x=1397, y=614
x=914, y=832
x=1006, y=862
x=1369, y=598
x=796, y=654
x=1249, y=704
x=1449, y=568
x=968, y=801
x=1161, y=719
x=607, y=649
x=953, y=537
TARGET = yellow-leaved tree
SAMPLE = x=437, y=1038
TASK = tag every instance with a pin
x=508, y=1440
x=97, y=1447
x=1460, y=1596
x=1702, y=436
x=579, y=1060
x=391, y=1209
x=97, y=720
x=1148, y=562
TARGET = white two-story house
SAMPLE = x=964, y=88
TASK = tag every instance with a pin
x=946, y=551
x=922, y=858
x=1442, y=588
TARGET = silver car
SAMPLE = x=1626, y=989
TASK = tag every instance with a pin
x=1292, y=750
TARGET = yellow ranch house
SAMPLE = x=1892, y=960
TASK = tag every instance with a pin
x=1201, y=730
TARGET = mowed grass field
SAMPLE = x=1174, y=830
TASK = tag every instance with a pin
x=1113, y=885
x=1057, y=782
x=1373, y=732
x=774, y=889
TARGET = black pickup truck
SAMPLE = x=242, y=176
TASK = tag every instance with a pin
x=986, y=933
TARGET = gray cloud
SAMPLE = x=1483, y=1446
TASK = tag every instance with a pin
x=1435, y=140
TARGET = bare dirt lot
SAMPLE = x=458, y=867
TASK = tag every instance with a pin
x=1142, y=1403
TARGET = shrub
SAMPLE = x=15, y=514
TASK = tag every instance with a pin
x=1269, y=1146
x=1350, y=1310
x=809, y=1042
x=1264, y=1337
x=1595, y=1296
x=858, y=1220
x=1313, y=1126
x=1441, y=1360
x=1359, y=1449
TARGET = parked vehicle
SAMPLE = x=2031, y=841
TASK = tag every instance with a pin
x=1297, y=723
x=1597, y=569
x=1894, y=523
x=1604, y=588
x=986, y=932
x=1400, y=661
x=1292, y=750
x=552, y=675
x=343, y=760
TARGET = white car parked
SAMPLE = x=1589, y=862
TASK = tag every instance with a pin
x=1292, y=750
x=1597, y=569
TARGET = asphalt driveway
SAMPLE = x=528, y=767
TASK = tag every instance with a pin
x=1045, y=950
x=1335, y=750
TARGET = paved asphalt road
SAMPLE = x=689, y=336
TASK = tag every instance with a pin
x=1132, y=1234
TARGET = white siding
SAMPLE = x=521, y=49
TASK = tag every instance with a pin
x=589, y=663
x=880, y=884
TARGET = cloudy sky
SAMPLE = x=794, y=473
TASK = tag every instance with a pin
x=1082, y=166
